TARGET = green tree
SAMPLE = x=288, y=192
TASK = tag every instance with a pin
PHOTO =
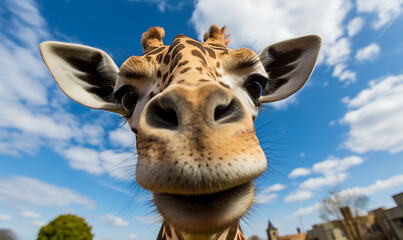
x=66, y=227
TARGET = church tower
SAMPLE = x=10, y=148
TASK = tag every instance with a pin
x=272, y=232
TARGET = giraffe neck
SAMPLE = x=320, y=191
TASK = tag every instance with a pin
x=168, y=232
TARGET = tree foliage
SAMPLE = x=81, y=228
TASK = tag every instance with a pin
x=7, y=234
x=66, y=227
x=330, y=206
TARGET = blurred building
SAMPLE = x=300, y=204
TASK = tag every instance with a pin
x=330, y=230
x=272, y=234
x=374, y=226
x=255, y=237
x=395, y=216
x=379, y=224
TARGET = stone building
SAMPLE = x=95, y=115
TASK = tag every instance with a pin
x=379, y=224
x=395, y=216
x=272, y=234
x=373, y=226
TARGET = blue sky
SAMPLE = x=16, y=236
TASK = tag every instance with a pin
x=343, y=129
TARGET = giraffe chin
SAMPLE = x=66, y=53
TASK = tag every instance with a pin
x=205, y=213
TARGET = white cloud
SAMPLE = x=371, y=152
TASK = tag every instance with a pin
x=375, y=117
x=369, y=52
x=264, y=22
x=29, y=120
x=283, y=104
x=339, y=52
x=274, y=188
x=355, y=25
x=387, y=10
x=264, y=198
x=122, y=137
x=305, y=211
x=379, y=185
x=120, y=166
x=133, y=236
x=21, y=189
x=344, y=75
x=299, y=195
x=38, y=223
x=332, y=123
x=29, y=214
x=115, y=220
x=332, y=170
x=84, y=159
x=334, y=165
x=272, y=21
x=5, y=217
x=299, y=172
x=267, y=194
x=319, y=182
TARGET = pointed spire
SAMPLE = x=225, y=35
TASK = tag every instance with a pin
x=271, y=227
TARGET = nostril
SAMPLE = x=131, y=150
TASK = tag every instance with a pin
x=228, y=113
x=162, y=117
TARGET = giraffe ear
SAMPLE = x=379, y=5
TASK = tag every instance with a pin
x=289, y=65
x=85, y=74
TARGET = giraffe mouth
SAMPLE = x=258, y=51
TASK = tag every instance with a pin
x=205, y=213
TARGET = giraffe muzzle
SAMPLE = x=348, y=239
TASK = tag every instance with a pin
x=205, y=213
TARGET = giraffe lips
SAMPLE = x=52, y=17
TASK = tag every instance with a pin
x=205, y=212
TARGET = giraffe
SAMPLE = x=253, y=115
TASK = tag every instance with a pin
x=191, y=106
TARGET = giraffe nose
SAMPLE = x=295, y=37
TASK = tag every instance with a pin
x=164, y=112
x=180, y=108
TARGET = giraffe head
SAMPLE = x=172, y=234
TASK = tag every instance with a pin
x=191, y=106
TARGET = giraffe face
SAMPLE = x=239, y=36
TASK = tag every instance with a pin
x=191, y=106
x=197, y=148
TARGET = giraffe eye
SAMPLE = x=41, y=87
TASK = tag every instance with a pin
x=254, y=86
x=129, y=101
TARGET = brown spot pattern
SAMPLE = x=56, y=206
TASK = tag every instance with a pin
x=155, y=51
x=168, y=231
x=184, y=70
x=199, y=55
x=224, y=84
x=159, y=57
x=164, y=77
x=183, y=63
x=211, y=52
x=169, y=81
x=166, y=59
x=177, y=50
x=175, y=62
x=173, y=45
x=198, y=45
